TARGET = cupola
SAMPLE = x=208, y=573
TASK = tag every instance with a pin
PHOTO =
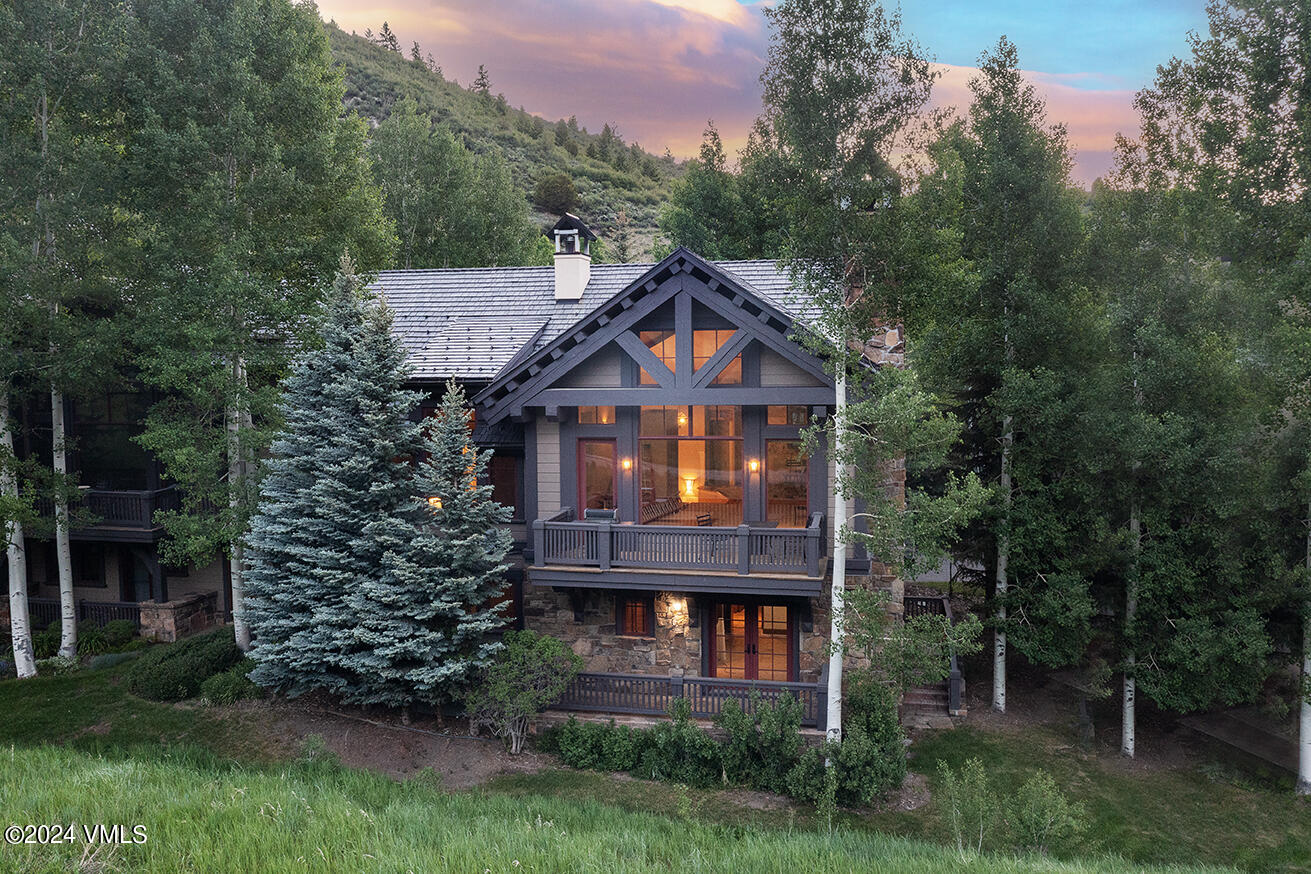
x=573, y=257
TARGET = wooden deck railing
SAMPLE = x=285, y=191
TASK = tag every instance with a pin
x=653, y=694
x=562, y=540
x=46, y=610
x=119, y=508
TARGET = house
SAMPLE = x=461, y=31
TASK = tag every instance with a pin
x=646, y=420
x=114, y=540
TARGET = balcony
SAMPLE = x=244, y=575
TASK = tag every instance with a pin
x=127, y=516
x=793, y=558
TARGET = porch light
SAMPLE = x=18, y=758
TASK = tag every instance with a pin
x=754, y=465
x=435, y=502
x=682, y=419
x=627, y=464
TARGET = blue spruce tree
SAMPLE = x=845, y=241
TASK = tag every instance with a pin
x=429, y=621
x=372, y=577
x=338, y=474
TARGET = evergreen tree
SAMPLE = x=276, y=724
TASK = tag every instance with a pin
x=427, y=623
x=416, y=54
x=483, y=83
x=387, y=39
x=561, y=133
x=338, y=475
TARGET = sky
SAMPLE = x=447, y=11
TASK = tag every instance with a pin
x=659, y=69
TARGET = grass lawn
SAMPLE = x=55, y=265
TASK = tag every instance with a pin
x=212, y=797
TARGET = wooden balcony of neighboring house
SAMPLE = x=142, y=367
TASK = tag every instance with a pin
x=758, y=558
x=123, y=516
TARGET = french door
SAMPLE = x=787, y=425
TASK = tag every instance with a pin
x=751, y=641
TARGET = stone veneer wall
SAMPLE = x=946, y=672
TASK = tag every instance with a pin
x=175, y=619
x=676, y=646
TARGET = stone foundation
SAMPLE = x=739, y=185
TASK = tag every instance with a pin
x=185, y=615
x=675, y=645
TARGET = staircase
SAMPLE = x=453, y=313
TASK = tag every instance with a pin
x=932, y=706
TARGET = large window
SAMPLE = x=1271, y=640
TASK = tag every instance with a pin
x=690, y=465
x=504, y=473
x=662, y=344
x=751, y=642
x=787, y=480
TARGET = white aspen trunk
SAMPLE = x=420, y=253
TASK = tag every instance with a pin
x=20, y=625
x=1304, y=724
x=1128, y=719
x=837, y=598
x=63, y=554
x=236, y=481
x=1003, y=579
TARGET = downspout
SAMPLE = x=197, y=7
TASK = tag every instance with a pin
x=837, y=598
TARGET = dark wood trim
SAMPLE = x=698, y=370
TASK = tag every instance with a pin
x=643, y=357
x=679, y=581
x=530, y=470
x=655, y=396
x=683, y=340
x=580, y=471
x=723, y=356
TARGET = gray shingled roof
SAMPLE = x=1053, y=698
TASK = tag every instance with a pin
x=468, y=323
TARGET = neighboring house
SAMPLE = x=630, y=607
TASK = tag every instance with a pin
x=114, y=548
x=645, y=420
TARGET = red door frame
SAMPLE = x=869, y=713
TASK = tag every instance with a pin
x=751, y=664
x=581, y=467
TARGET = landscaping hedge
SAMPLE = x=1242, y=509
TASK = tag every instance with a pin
x=176, y=671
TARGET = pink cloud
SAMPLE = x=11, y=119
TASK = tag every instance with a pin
x=658, y=69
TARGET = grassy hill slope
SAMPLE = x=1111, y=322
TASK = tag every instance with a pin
x=377, y=78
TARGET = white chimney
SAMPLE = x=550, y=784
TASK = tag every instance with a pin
x=573, y=257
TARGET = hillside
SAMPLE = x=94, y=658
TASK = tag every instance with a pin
x=636, y=183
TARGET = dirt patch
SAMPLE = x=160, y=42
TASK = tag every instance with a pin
x=98, y=730
x=384, y=744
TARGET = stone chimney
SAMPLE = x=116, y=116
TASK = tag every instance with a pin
x=573, y=257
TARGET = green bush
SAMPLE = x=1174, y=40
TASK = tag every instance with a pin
x=175, y=672
x=621, y=748
x=1041, y=819
x=679, y=751
x=91, y=639
x=555, y=193
x=969, y=806
x=119, y=633
x=579, y=743
x=598, y=746
x=529, y=672
x=231, y=685
x=56, y=666
x=871, y=760
x=45, y=643
x=762, y=745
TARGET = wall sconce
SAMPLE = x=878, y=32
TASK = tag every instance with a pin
x=754, y=465
x=627, y=464
x=435, y=502
x=689, y=483
x=682, y=419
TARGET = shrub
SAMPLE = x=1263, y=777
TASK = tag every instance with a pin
x=1042, y=819
x=679, y=751
x=555, y=193
x=45, y=643
x=869, y=762
x=175, y=672
x=621, y=748
x=231, y=685
x=762, y=746
x=56, y=666
x=968, y=804
x=530, y=672
x=579, y=743
x=91, y=639
x=119, y=633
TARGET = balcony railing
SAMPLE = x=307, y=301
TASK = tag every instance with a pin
x=653, y=694
x=46, y=610
x=120, y=509
x=743, y=549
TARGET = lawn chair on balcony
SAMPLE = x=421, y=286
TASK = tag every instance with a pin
x=591, y=515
